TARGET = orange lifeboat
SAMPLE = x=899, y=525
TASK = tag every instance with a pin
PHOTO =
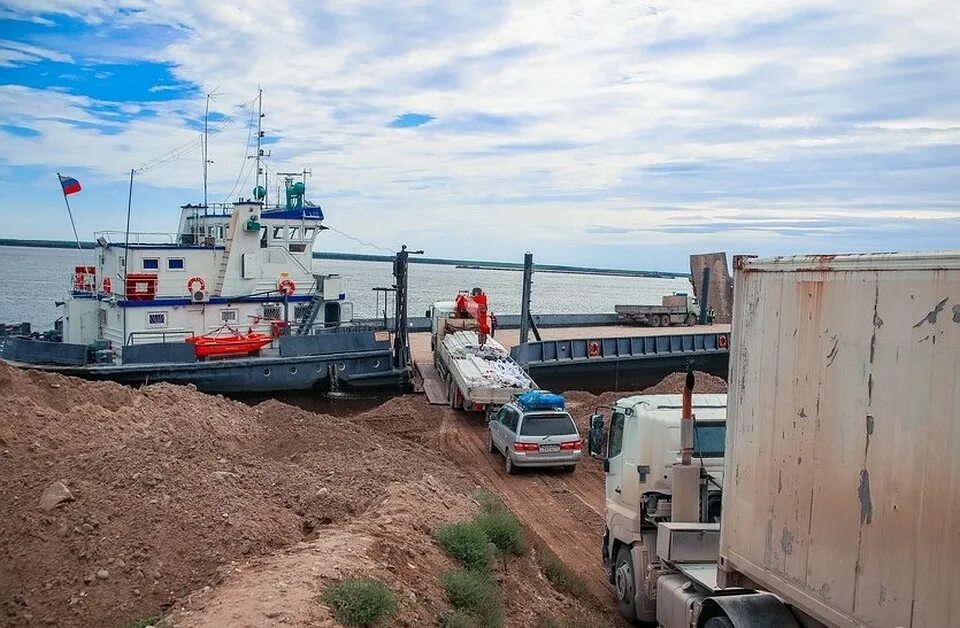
x=219, y=344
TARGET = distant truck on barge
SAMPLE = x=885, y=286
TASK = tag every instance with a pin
x=478, y=372
x=675, y=309
x=836, y=458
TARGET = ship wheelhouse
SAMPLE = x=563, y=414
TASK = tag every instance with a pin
x=238, y=266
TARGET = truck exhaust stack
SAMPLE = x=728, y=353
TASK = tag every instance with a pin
x=686, y=422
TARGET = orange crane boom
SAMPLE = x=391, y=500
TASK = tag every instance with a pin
x=474, y=306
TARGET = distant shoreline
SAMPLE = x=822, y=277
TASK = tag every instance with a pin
x=363, y=257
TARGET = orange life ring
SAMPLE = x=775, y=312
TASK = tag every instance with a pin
x=722, y=341
x=593, y=349
x=287, y=286
x=107, y=286
x=193, y=280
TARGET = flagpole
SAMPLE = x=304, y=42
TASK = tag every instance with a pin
x=126, y=237
x=126, y=254
x=69, y=213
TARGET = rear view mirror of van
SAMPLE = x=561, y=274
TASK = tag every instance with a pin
x=595, y=438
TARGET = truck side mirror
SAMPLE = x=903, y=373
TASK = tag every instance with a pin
x=595, y=440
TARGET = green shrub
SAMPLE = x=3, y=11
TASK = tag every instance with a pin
x=562, y=577
x=474, y=594
x=502, y=529
x=144, y=622
x=456, y=619
x=360, y=602
x=467, y=542
x=487, y=501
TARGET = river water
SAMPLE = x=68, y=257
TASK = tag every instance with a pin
x=33, y=279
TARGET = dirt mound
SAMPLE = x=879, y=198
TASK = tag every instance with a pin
x=409, y=417
x=392, y=543
x=674, y=383
x=169, y=487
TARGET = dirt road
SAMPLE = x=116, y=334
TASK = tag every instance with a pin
x=564, y=509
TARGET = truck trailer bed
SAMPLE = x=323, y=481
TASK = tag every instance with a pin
x=485, y=375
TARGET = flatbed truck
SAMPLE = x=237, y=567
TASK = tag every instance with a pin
x=478, y=377
x=676, y=309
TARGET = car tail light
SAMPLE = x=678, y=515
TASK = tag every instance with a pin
x=526, y=447
x=574, y=446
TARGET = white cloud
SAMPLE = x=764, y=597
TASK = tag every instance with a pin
x=18, y=53
x=604, y=89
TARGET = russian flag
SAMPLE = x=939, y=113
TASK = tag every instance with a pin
x=70, y=185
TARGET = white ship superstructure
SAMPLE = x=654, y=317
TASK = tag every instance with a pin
x=242, y=266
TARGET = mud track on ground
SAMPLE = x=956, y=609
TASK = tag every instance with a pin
x=565, y=510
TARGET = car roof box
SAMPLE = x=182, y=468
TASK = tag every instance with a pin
x=540, y=400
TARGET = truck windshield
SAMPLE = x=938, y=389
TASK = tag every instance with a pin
x=709, y=438
x=547, y=425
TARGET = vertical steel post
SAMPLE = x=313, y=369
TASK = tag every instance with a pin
x=400, y=267
x=705, y=295
x=525, y=298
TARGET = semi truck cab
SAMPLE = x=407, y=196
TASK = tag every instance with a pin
x=643, y=446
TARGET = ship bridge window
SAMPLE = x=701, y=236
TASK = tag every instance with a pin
x=308, y=232
x=278, y=233
x=293, y=233
x=151, y=263
x=175, y=263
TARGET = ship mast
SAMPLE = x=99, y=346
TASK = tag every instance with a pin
x=260, y=116
x=206, y=137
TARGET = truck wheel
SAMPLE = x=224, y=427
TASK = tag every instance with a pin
x=623, y=583
x=508, y=466
x=719, y=622
x=664, y=320
x=691, y=320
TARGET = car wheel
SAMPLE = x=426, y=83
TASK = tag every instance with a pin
x=624, y=583
x=718, y=622
x=568, y=468
x=508, y=466
x=490, y=446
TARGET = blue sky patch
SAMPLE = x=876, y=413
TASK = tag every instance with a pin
x=133, y=82
x=19, y=131
x=408, y=120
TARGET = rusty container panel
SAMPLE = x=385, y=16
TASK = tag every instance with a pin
x=842, y=479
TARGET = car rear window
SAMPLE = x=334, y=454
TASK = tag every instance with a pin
x=547, y=425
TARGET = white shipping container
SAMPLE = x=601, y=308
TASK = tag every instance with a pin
x=842, y=477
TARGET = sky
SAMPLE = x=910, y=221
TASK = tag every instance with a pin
x=611, y=133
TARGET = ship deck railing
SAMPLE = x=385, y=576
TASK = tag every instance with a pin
x=137, y=237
